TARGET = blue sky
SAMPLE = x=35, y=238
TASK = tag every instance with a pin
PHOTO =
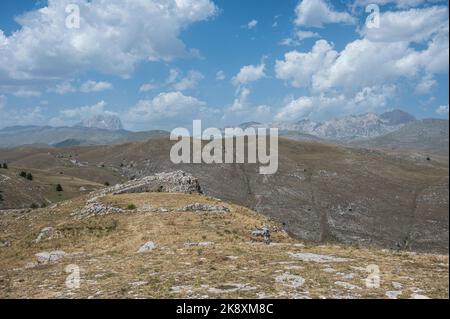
x=159, y=64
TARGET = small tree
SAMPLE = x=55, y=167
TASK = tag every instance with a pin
x=106, y=183
x=23, y=174
x=59, y=188
x=30, y=176
x=5, y=166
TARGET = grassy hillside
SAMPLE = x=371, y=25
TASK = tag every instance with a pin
x=19, y=192
x=196, y=255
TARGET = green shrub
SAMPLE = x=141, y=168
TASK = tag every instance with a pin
x=23, y=174
x=131, y=207
x=29, y=176
x=34, y=206
x=59, y=188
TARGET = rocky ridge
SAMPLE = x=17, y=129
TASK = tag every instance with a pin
x=172, y=182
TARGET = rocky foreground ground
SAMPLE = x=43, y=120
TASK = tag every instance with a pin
x=158, y=237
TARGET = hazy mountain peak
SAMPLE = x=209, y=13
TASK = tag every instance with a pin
x=103, y=121
x=249, y=124
x=396, y=117
x=348, y=128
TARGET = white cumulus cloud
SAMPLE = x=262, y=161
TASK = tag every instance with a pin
x=220, y=75
x=426, y=84
x=24, y=92
x=413, y=25
x=168, y=109
x=252, y=24
x=22, y=116
x=71, y=116
x=300, y=68
x=298, y=37
x=442, y=110
x=93, y=86
x=190, y=81
x=401, y=4
x=114, y=36
x=326, y=105
x=248, y=74
x=2, y=101
x=63, y=88
x=146, y=87
x=317, y=13
x=362, y=63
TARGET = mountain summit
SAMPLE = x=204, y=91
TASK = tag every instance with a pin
x=346, y=129
x=103, y=121
x=397, y=117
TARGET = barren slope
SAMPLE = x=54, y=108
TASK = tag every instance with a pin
x=320, y=193
x=429, y=137
x=196, y=254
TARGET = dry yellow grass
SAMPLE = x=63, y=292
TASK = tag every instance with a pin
x=230, y=264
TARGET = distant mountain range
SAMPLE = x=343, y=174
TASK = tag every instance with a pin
x=70, y=136
x=103, y=121
x=391, y=130
x=346, y=129
x=394, y=130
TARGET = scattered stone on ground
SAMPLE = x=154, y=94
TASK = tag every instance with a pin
x=4, y=244
x=318, y=258
x=329, y=270
x=397, y=285
x=200, y=244
x=227, y=288
x=419, y=296
x=182, y=289
x=95, y=208
x=393, y=294
x=345, y=275
x=138, y=283
x=346, y=285
x=290, y=280
x=50, y=257
x=45, y=233
x=148, y=246
x=204, y=208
